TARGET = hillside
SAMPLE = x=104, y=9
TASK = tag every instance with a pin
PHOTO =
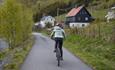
x=39, y=7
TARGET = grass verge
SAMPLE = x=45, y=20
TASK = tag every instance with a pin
x=95, y=52
x=19, y=55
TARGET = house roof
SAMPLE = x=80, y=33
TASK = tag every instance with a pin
x=47, y=17
x=74, y=11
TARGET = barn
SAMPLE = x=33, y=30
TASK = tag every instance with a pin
x=78, y=17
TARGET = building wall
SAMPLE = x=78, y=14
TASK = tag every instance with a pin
x=83, y=16
x=78, y=25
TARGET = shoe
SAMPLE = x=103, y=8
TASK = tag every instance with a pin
x=54, y=50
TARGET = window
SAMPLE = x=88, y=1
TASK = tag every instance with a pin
x=79, y=18
x=86, y=18
x=73, y=18
x=83, y=25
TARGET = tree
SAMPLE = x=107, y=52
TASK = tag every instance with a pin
x=28, y=3
x=16, y=22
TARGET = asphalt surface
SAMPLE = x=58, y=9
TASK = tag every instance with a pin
x=3, y=44
x=41, y=57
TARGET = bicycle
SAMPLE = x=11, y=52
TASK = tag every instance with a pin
x=58, y=55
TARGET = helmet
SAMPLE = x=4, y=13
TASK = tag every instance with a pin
x=60, y=25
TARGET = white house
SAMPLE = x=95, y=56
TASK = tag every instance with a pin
x=40, y=24
x=44, y=21
x=48, y=19
x=110, y=14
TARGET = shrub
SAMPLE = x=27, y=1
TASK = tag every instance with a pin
x=15, y=22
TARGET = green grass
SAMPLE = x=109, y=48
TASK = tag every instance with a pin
x=18, y=57
x=98, y=52
x=94, y=52
x=100, y=14
x=3, y=54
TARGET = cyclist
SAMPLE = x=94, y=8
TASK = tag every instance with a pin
x=58, y=34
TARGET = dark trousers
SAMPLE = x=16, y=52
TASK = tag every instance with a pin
x=59, y=43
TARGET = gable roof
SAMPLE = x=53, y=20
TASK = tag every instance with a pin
x=74, y=11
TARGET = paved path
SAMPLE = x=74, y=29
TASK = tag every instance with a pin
x=41, y=57
x=3, y=44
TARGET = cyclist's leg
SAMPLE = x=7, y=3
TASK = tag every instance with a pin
x=60, y=46
x=56, y=44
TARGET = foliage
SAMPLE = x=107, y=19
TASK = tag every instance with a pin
x=15, y=22
x=19, y=55
x=61, y=17
x=41, y=7
x=102, y=4
x=28, y=3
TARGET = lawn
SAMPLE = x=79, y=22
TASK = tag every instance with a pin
x=94, y=52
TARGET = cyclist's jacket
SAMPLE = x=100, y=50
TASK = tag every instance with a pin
x=58, y=32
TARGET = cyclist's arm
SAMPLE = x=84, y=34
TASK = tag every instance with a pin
x=64, y=34
x=52, y=34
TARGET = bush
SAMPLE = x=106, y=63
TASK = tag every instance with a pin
x=15, y=22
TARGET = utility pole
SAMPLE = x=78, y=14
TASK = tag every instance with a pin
x=57, y=11
x=39, y=5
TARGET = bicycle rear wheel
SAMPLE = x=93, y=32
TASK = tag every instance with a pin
x=58, y=62
x=58, y=55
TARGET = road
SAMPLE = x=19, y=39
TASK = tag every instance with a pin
x=3, y=44
x=41, y=57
